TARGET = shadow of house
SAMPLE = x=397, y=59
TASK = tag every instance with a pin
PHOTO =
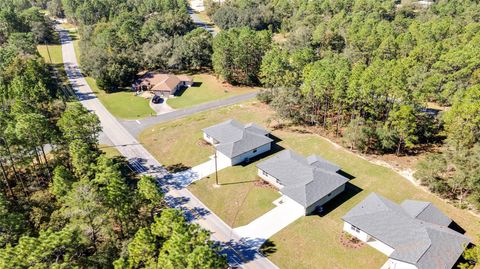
x=345, y=174
x=275, y=148
x=197, y=84
x=454, y=226
x=180, y=91
x=183, y=88
x=462, y=260
x=349, y=192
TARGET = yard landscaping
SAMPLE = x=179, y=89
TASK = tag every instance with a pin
x=310, y=241
x=52, y=54
x=122, y=104
x=207, y=88
x=239, y=200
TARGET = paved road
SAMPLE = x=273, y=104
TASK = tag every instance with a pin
x=198, y=6
x=238, y=250
x=135, y=127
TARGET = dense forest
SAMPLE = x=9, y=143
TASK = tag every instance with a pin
x=121, y=38
x=63, y=202
x=383, y=76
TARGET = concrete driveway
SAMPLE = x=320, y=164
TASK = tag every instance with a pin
x=162, y=108
x=198, y=172
x=271, y=222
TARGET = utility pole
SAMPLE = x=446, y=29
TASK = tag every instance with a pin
x=216, y=168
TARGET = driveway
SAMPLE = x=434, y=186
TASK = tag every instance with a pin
x=271, y=222
x=162, y=108
x=238, y=251
x=197, y=5
x=198, y=172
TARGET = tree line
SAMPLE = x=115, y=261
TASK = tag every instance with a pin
x=121, y=38
x=63, y=202
x=383, y=77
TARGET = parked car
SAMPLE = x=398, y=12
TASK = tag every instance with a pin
x=157, y=99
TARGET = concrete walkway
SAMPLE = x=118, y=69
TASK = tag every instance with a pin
x=271, y=222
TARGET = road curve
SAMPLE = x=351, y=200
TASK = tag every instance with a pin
x=240, y=252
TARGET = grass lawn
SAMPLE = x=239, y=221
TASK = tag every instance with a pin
x=110, y=151
x=52, y=54
x=180, y=141
x=239, y=200
x=122, y=104
x=73, y=32
x=177, y=142
x=209, y=89
x=55, y=53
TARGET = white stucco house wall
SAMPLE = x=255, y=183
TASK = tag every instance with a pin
x=311, y=182
x=236, y=143
x=414, y=234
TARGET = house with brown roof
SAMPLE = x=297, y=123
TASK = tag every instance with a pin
x=164, y=84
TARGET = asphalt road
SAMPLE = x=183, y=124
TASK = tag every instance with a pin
x=196, y=6
x=135, y=127
x=240, y=252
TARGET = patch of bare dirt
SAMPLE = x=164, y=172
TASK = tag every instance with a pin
x=263, y=184
x=202, y=143
x=350, y=241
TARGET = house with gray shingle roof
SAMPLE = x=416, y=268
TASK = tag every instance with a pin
x=414, y=234
x=310, y=182
x=235, y=142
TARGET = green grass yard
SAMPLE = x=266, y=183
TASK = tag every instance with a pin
x=55, y=53
x=239, y=200
x=122, y=104
x=209, y=89
x=110, y=151
x=312, y=241
x=180, y=141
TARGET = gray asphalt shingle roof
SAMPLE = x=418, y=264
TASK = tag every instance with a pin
x=305, y=180
x=235, y=138
x=415, y=240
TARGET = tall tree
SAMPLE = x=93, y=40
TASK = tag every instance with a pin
x=237, y=54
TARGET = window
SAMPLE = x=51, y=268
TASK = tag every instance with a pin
x=355, y=228
x=330, y=194
x=255, y=150
x=265, y=173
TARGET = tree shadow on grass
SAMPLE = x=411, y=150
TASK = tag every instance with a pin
x=268, y=248
x=176, y=168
